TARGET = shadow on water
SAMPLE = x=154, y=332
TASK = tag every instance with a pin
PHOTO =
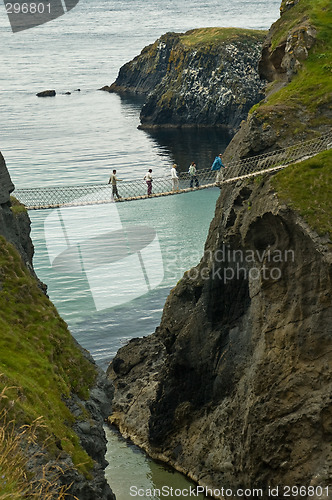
x=135, y=101
x=183, y=145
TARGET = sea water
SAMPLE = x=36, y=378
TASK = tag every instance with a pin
x=79, y=138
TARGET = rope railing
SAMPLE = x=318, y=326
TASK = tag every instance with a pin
x=86, y=194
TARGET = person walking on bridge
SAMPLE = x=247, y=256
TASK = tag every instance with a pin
x=113, y=180
x=219, y=167
x=175, y=179
x=193, y=175
x=148, y=180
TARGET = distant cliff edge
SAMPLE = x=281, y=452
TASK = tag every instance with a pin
x=204, y=77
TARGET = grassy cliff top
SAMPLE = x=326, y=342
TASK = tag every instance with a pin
x=318, y=12
x=16, y=206
x=306, y=187
x=310, y=90
x=204, y=36
x=40, y=363
x=302, y=107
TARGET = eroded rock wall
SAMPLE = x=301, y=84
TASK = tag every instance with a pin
x=234, y=387
x=15, y=227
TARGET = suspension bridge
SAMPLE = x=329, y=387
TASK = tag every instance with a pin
x=92, y=194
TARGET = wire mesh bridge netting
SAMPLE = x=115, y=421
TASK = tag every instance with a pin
x=86, y=194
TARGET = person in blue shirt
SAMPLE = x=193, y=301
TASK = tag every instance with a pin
x=218, y=166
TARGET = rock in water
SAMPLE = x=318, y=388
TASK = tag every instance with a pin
x=46, y=93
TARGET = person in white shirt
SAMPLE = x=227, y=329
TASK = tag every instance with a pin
x=175, y=179
x=148, y=179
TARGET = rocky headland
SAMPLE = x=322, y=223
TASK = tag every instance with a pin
x=205, y=77
x=234, y=387
x=51, y=390
x=296, y=63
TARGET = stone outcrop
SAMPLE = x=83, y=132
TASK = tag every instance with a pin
x=189, y=82
x=283, y=61
x=287, y=4
x=15, y=228
x=234, y=387
x=92, y=438
x=6, y=185
x=89, y=414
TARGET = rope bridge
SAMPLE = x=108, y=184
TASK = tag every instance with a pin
x=91, y=194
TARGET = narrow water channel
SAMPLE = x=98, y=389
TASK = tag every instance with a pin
x=134, y=475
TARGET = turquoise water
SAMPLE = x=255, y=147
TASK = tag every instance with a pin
x=181, y=223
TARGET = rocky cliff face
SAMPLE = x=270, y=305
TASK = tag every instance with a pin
x=296, y=61
x=86, y=414
x=16, y=229
x=206, y=77
x=6, y=185
x=234, y=386
x=90, y=415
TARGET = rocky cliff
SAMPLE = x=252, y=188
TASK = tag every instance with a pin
x=296, y=61
x=234, y=386
x=205, y=77
x=50, y=387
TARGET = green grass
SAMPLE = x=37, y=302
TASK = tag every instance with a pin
x=39, y=358
x=306, y=187
x=317, y=11
x=16, y=206
x=311, y=89
x=203, y=36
